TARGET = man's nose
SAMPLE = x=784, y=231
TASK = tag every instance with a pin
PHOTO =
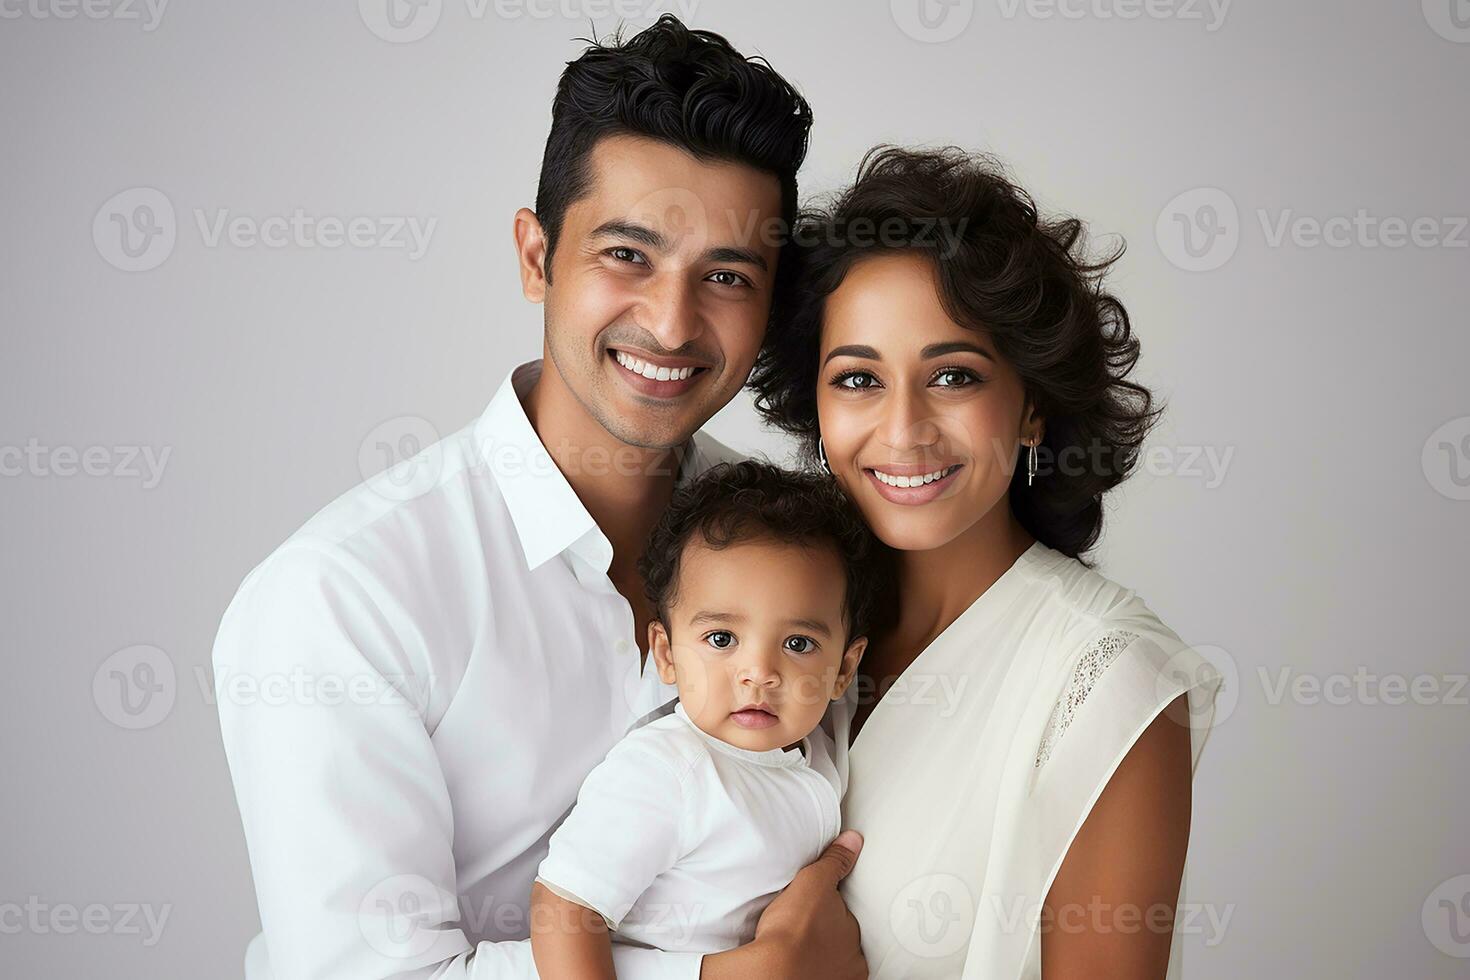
x=670, y=311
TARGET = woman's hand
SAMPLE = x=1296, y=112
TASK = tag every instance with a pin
x=806, y=931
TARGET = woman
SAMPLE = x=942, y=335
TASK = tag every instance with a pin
x=1021, y=754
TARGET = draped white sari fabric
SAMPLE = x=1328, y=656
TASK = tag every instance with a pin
x=973, y=774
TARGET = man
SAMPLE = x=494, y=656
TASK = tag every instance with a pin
x=472, y=651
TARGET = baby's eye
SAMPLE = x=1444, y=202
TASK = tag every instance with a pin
x=800, y=644
x=721, y=639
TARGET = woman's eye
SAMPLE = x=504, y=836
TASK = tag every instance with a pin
x=625, y=254
x=800, y=644
x=855, y=380
x=720, y=639
x=953, y=378
x=725, y=278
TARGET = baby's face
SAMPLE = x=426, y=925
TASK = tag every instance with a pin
x=756, y=640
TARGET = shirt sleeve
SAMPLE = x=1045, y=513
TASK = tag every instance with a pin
x=624, y=830
x=346, y=814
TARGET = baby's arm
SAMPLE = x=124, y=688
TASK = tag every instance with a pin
x=623, y=832
x=568, y=941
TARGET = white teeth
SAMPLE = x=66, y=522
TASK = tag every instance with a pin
x=912, y=481
x=651, y=371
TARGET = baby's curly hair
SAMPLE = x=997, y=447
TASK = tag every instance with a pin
x=1021, y=279
x=748, y=500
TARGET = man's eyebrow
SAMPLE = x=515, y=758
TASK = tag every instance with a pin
x=729, y=253
x=626, y=229
x=955, y=347
x=853, y=350
x=644, y=235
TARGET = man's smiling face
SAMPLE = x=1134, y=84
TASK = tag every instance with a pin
x=660, y=287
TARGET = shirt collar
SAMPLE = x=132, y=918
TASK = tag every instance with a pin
x=549, y=518
x=778, y=757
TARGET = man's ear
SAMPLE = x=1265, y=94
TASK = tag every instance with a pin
x=530, y=240
x=661, y=651
x=851, y=657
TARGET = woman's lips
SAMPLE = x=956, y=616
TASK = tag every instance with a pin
x=921, y=494
x=753, y=718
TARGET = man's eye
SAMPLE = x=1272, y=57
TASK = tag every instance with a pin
x=800, y=644
x=953, y=378
x=855, y=380
x=624, y=254
x=726, y=278
x=720, y=639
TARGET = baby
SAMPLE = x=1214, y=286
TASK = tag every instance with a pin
x=760, y=581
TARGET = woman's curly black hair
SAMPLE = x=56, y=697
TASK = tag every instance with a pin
x=687, y=88
x=1022, y=279
x=750, y=499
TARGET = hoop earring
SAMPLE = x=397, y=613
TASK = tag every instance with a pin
x=1031, y=464
x=822, y=456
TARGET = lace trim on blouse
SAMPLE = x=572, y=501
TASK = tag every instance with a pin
x=1094, y=660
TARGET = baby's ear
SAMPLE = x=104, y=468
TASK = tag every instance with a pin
x=851, y=657
x=661, y=651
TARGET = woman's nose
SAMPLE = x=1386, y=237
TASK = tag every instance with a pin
x=907, y=423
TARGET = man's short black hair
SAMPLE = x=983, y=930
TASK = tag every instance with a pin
x=690, y=89
x=751, y=500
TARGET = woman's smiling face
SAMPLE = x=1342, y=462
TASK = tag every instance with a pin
x=921, y=419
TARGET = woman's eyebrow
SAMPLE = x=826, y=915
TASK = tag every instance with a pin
x=955, y=347
x=853, y=350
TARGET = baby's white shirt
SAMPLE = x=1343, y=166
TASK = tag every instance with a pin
x=680, y=840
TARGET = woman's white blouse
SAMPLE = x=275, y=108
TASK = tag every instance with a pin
x=680, y=840
x=974, y=772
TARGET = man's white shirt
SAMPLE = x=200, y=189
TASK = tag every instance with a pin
x=455, y=660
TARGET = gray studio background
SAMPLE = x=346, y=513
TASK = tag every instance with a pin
x=172, y=405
